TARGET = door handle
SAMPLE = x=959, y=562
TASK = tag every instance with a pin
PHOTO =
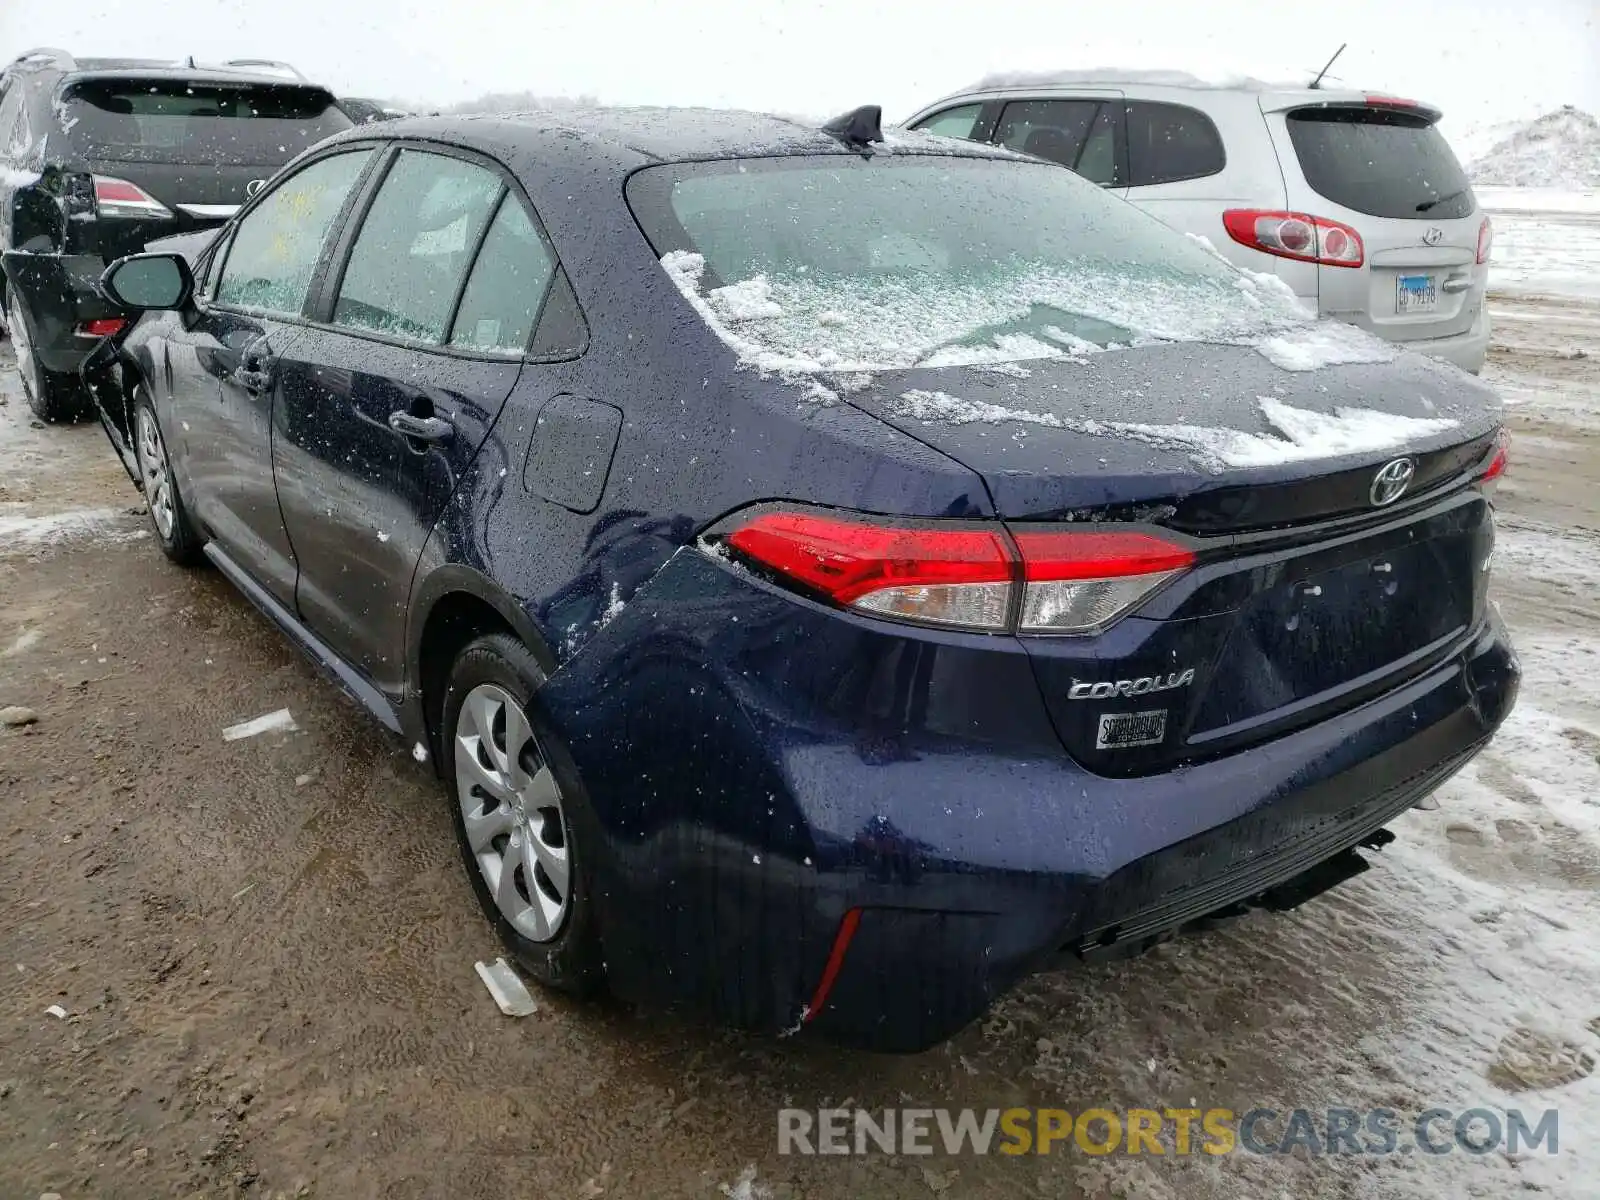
x=255, y=372
x=421, y=429
x=1456, y=283
x=254, y=380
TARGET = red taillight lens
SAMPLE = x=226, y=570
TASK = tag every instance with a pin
x=964, y=576
x=1485, y=240
x=946, y=576
x=100, y=327
x=119, y=198
x=1497, y=462
x=1299, y=236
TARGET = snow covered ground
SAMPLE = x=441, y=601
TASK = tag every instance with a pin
x=1546, y=241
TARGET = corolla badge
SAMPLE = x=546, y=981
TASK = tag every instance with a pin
x=1432, y=235
x=1142, y=686
x=1391, y=481
x=254, y=186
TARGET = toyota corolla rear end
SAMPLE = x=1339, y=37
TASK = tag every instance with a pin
x=1219, y=615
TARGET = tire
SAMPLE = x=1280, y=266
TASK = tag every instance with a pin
x=510, y=778
x=54, y=398
x=169, y=518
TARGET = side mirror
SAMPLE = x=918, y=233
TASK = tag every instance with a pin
x=142, y=282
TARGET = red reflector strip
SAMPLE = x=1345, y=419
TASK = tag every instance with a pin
x=1377, y=100
x=849, y=559
x=1502, y=453
x=830, y=973
x=101, y=327
x=1068, y=555
x=119, y=190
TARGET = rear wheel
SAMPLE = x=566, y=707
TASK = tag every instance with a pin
x=179, y=539
x=519, y=815
x=53, y=396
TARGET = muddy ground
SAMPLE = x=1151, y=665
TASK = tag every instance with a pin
x=265, y=948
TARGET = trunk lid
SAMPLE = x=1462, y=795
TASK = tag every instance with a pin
x=1306, y=597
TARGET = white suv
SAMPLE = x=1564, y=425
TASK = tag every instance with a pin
x=1354, y=200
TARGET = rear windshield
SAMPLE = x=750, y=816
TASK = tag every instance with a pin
x=172, y=121
x=842, y=263
x=1379, y=162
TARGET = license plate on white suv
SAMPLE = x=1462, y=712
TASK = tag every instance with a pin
x=1415, y=293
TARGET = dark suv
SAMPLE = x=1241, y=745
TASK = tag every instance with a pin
x=99, y=157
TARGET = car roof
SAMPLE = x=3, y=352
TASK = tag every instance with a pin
x=632, y=137
x=1272, y=96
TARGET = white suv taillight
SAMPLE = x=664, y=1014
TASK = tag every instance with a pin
x=1295, y=235
x=963, y=575
x=1485, y=241
x=119, y=198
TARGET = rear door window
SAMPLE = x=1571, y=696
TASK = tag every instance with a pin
x=954, y=122
x=1080, y=134
x=182, y=121
x=1380, y=162
x=415, y=246
x=278, y=242
x=1171, y=142
x=507, y=286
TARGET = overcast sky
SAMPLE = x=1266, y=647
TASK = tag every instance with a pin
x=1481, y=60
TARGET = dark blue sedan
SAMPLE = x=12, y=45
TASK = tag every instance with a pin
x=835, y=574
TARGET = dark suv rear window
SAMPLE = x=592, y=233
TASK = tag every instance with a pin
x=1380, y=162
x=175, y=121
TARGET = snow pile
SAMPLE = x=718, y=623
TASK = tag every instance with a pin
x=28, y=533
x=1558, y=150
x=749, y=300
x=1325, y=344
x=804, y=323
x=1297, y=434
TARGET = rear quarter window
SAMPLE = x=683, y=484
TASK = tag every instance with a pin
x=1168, y=143
x=954, y=122
x=1380, y=162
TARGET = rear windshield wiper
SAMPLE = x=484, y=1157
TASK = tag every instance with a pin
x=1437, y=200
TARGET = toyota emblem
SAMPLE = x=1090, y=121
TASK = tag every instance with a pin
x=255, y=186
x=1391, y=481
x=1432, y=235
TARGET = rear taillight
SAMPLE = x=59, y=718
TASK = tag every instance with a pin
x=1497, y=460
x=947, y=575
x=100, y=327
x=1485, y=241
x=963, y=575
x=1077, y=582
x=119, y=198
x=1299, y=236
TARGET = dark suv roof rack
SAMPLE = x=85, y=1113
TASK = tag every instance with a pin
x=47, y=54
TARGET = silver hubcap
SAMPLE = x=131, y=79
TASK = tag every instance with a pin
x=157, y=479
x=511, y=809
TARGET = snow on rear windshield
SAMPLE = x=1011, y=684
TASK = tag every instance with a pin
x=832, y=263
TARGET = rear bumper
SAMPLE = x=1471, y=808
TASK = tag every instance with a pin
x=1466, y=350
x=757, y=767
x=60, y=291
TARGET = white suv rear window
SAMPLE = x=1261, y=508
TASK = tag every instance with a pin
x=1380, y=162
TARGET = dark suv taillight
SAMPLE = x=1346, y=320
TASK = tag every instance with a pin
x=958, y=574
